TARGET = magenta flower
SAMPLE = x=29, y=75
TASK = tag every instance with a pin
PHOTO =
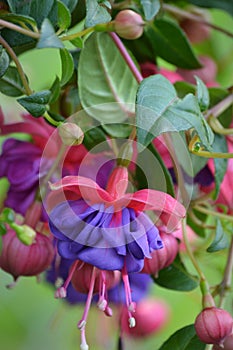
x=108, y=228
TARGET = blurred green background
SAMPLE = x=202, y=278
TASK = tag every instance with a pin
x=30, y=317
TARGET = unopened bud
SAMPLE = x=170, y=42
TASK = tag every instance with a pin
x=213, y=325
x=128, y=24
x=71, y=134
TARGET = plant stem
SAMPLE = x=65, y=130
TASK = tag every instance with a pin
x=12, y=54
x=218, y=128
x=176, y=11
x=51, y=120
x=126, y=57
x=177, y=168
x=206, y=154
x=189, y=251
x=214, y=213
x=44, y=182
x=19, y=29
x=220, y=107
x=77, y=35
x=227, y=278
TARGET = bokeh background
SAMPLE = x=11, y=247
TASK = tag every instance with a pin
x=30, y=317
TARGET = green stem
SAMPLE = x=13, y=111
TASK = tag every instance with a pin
x=51, y=120
x=190, y=252
x=77, y=35
x=44, y=182
x=214, y=213
x=206, y=154
x=207, y=299
x=218, y=128
x=12, y=54
x=227, y=279
x=181, y=13
x=220, y=107
x=19, y=29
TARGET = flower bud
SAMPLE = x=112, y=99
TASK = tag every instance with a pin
x=150, y=316
x=213, y=325
x=128, y=24
x=71, y=134
x=227, y=344
x=82, y=277
x=163, y=257
x=19, y=259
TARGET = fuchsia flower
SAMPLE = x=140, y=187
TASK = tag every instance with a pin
x=108, y=228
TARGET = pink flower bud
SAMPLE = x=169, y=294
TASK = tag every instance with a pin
x=19, y=259
x=162, y=258
x=128, y=24
x=71, y=134
x=227, y=344
x=207, y=73
x=195, y=31
x=82, y=277
x=213, y=325
x=150, y=315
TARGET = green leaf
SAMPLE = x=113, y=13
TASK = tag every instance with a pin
x=55, y=90
x=176, y=277
x=77, y=42
x=11, y=84
x=64, y=16
x=67, y=66
x=150, y=8
x=159, y=110
x=4, y=62
x=184, y=339
x=48, y=38
x=170, y=42
x=202, y=95
x=19, y=19
x=70, y=4
x=220, y=164
x=220, y=240
x=37, y=9
x=150, y=162
x=96, y=13
x=118, y=130
x=35, y=104
x=93, y=137
x=105, y=94
x=225, y=5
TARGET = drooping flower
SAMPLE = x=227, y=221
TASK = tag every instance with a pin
x=108, y=228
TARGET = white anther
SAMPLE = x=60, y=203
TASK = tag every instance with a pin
x=60, y=293
x=132, y=322
x=59, y=282
x=102, y=304
x=84, y=346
